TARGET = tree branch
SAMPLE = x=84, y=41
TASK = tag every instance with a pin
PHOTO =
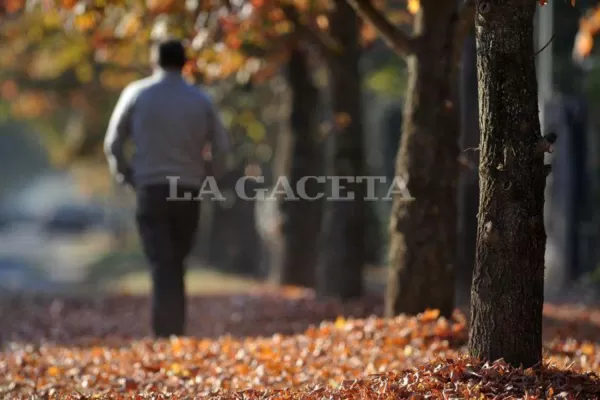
x=398, y=40
x=464, y=23
x=324, y=42
x=227, y=4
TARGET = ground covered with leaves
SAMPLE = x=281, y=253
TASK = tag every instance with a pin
x=275, y=345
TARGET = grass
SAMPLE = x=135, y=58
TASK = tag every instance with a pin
x=126, y=271
x=206, y=281
x=114, y=265
x=199, y=281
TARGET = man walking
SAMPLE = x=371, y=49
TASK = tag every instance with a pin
x=170, y=122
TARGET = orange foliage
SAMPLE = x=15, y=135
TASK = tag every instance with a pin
x=31, y=104
x=68, y=4
x=160, y=6
x=8, y=90
x=584, y=42
x=588, y=28
x=273, y=345
x=413, y=6
x=106, y=41
x=248, y=29
x=11, y=6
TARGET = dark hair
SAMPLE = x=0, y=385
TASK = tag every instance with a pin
x=171, y=54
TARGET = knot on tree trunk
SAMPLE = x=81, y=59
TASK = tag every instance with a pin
x=490, y=233
x=484, y=7
x=546, y=143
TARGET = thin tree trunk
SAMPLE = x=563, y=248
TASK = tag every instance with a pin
x=268, y=213
x=468, y=186
x=234, y=242
x=343, y=258
x=508, y=283
x=423, y=231
x=245, y=254
x=301, y=219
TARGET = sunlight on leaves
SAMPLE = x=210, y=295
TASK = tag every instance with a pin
x=389, y=80
x=413, y=6
x=255, y=131
x=301, y=348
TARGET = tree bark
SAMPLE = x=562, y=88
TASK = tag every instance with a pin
x=301, y=219
x=468, y=186
x=234, y=241
x=423, y=230
x=508, y=283
x=343, y=254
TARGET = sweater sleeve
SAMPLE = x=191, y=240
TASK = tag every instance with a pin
x=119, y=130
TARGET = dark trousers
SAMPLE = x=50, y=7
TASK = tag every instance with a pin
x=167, y=229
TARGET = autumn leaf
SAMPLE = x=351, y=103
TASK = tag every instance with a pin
x=128, y=26
x=584, y=43
x=413, y=6
x=68, y=4
x=368, y=34
x=430, y=315
x=12, y=6
x=86, y=21
x=278, y=344
x=323, y=22
x=340, y=322
x=588, y=349
x=342, y=120
x=160, y=6
x=8, y=90
x=233, y=41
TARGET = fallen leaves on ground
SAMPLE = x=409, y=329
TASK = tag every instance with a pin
x=461, y=378
x=74, y=319
x=96, y=349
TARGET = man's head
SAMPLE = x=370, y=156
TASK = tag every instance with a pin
x=169, y=55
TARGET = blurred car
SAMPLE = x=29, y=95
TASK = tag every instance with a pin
x=19, y=275
x=74, y=218
x=10, y=216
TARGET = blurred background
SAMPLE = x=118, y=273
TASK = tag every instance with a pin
x=64, y=226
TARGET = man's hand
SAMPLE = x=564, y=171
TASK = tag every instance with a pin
x=126, y=178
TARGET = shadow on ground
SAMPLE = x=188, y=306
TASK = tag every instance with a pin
x=264, y=311
x=79, y=320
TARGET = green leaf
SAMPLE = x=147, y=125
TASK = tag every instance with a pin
x=389, y=80
x=227, y=116
x=256, y=131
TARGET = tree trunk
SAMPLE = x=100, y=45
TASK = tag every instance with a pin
x=218, y=248
x=423, y=230
x=343, y=257
x=202, y=243
x=468, y=185
x=234, y=241
x=245, y=255
x=301, y=219
x=508, y=283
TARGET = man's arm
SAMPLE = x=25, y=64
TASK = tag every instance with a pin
x=219, y=142
x=119, y=130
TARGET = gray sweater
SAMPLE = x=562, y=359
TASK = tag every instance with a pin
x=169, y=122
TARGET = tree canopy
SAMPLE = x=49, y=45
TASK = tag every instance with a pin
x=60, y=59
x=589, y=26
